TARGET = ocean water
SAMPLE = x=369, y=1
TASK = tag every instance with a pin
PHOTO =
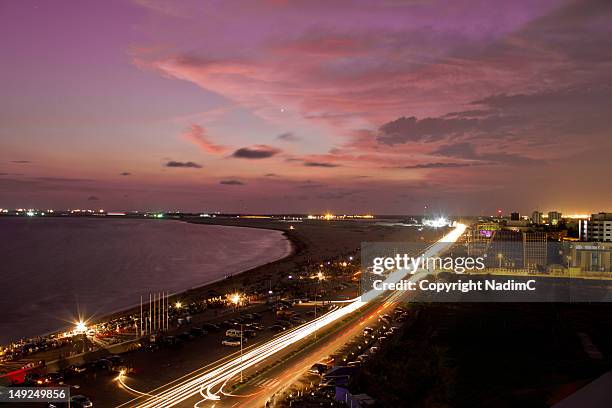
x=55, y=269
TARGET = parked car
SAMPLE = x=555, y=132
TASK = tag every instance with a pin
x=234, y=333
x=277, y=328
x=210, y=327
x=184, y=336
x=54, y=379
x=249, y=333
x=77, y=369
x=297, y=320
x=233, y=342
x=196, y=331
x=80, y=401
x=318, y=369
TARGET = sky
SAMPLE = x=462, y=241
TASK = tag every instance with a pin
x=386, y=107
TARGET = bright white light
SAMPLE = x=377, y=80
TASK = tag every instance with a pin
x=436, y=223
x=80, y=327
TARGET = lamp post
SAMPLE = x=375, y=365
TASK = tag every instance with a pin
x=320, y=277
x=241, y=334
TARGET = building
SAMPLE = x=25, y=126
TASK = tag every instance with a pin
x=537, y=217
x=508, y=248
x=535, y=250
x=554, y=218
x=598, y=228
x=591, y=256
x=515, y=216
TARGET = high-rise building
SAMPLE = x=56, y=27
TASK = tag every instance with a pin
x=537, y=217
x=515, y=216
x=597, y=228
x=554, y=217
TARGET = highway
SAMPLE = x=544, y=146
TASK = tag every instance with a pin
x=208, y=383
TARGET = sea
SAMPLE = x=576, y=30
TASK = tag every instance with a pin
x=55, y=270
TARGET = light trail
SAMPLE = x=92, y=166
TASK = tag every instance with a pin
x=203, y=383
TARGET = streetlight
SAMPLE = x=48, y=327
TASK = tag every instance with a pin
x=241, y=334
x=321, y=278
x=500, y=256
x=236, y=299
x=80, y=327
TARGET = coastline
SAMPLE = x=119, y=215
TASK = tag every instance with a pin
x=184, y=294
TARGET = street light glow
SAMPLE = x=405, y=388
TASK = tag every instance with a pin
x=235, y=298
x=80, y=326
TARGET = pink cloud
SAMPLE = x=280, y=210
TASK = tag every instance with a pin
x=197, y=135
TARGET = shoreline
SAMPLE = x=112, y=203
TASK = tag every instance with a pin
x=185, y=294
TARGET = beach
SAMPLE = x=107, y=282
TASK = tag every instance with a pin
x=57, y=270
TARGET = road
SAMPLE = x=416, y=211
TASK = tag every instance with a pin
x=208, y=385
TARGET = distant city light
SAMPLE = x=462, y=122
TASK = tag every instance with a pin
x=30, y=213
x=436, y=222
x=178, y=305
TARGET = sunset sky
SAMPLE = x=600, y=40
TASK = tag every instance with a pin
x=306, y=106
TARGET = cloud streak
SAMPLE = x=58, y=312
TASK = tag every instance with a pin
x=197, y=134
x=186, y=165
x=256, y=152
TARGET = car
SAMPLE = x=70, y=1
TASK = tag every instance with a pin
x=151, y=347
x=172, y=341
x=77, y=369
x=255, y=326
x=363, y=357
x=368, y=331
x=115, y=359
x=342, y=380
x=102, y=364
x=234, y=333
x=277, y=328
x=210, y=327
x=318, y=369
x=184, y=336
x=80, y=401
x=33, y=379
x=284, y=323
x=233, y=342
x=354, y=363
x=249, y=333
x=226, y=324
x=54, y=379
x=196, y=331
